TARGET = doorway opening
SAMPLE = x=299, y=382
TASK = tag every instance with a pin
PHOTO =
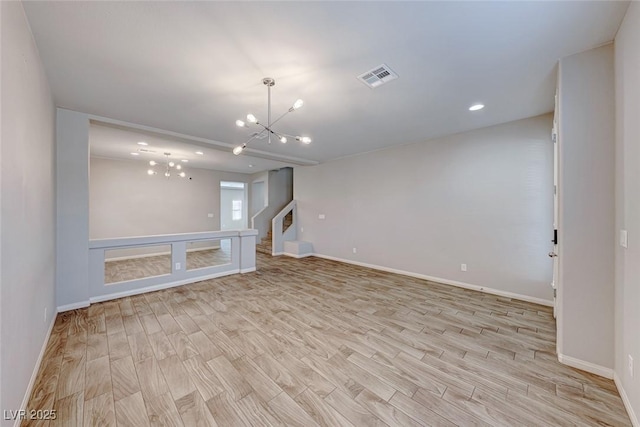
x=233, y=205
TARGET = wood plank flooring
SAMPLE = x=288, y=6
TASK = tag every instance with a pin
x=138, y=268
x=315, y=342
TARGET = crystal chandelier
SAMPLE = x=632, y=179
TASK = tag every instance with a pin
x=170, y=167
x=267, y=128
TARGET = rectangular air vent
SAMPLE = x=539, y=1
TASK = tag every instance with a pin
x=259, y=135
x=145, y=150
x=378, y=76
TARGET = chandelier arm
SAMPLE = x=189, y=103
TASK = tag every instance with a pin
x=275, y=121
x=277, y=133
x=255, y=136
x=289, y=135
x=269, y=82
x=280, y=118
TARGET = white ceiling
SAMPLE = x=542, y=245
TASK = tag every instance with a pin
x=115, y=142
x=196, y=67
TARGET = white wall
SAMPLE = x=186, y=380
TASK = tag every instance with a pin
x=27, y=216
x=227, y=196
x=627, y=183
x=586, y=233
x=483, y=198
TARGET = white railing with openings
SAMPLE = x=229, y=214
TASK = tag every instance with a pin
x=281, y=235
x=242, y=250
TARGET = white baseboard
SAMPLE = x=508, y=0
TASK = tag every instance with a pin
x=586, y=366
x=74, y=306
x=625, y=400
x=247, y=270
x=116, y=295
x=297, y=255
x=36, y=368
x=484, y=289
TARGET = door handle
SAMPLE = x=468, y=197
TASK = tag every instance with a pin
x=552, y=254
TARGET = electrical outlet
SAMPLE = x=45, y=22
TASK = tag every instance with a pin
x=302, y=229
x=355, y=250
x=321, y=216
x=463, y=267
x=630, y=366
x=210, y=215
x=178, y=266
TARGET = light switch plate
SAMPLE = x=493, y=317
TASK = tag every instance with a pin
x=321, y=216
x=624, y=239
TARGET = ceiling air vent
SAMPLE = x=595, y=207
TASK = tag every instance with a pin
x=145, y=150
x=259, y=135
x=378, y=76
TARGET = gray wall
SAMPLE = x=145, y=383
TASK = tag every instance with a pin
x=72, y=202
x=279, y=192
x=483, y=198
x=258, y=197
x=27, y=200
x=627, y=277
x=586, y=201
x=126, y=202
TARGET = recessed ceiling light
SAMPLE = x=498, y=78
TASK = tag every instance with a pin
x=185, y=160
x=199, y=153
x=142, y=143
x=250, y=166
x=135, y=154
x=476, y=107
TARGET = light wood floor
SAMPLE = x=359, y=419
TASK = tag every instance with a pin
x=314, y=342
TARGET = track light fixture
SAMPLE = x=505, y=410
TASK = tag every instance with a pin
x=268, y=129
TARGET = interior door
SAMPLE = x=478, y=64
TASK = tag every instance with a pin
x=554, y=252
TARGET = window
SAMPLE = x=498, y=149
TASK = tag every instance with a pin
x=236, y=210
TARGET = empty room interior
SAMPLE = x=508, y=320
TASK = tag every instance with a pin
x=320, y=213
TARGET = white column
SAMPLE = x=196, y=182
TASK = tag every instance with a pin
x=248, y=250
x=72, y=200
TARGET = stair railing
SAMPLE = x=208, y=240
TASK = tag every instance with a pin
x=284, y=227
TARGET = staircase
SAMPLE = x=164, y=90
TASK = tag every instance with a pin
x=265, y=246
